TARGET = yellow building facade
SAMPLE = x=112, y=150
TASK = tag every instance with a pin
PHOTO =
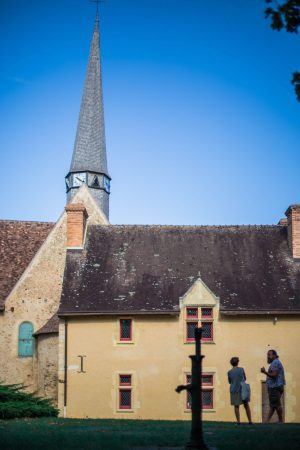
x=158, y=362
x=157, y=359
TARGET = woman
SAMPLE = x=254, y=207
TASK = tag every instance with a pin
x=235, y=376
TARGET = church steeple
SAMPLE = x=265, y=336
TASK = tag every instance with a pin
x=89, y=162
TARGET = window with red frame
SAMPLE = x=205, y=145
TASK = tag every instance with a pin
x=190, y=330
x=206, y=313
x=192, y=313
x=125, y=329
x=125, y=391
x=207, y=393
x=125, y=380
x=207, y=331
x=207, y=399
x=207, y=379
x=196, y=317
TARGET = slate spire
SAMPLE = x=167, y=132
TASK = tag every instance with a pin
x=89, y=162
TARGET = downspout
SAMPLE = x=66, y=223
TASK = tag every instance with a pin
x=66, y=367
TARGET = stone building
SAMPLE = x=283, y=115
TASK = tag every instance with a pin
x=101, y=317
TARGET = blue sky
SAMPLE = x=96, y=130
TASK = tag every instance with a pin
x=202, y=124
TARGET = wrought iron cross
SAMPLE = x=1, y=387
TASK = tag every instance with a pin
x=97, y=2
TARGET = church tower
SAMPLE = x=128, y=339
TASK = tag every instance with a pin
x=89, y=163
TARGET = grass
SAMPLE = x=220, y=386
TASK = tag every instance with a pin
x=89, y=434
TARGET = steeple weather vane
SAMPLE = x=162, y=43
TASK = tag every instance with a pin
x=97, y=2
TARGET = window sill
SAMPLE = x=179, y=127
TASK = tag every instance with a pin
x=125, y=342
x=125, y=410
x=203, y=411
x=202, y=342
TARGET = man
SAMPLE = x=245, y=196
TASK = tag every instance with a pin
x=275, y=382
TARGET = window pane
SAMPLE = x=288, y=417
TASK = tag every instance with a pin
x=207, y=394
x=207, y=330
x=206, y=312
x=190, y=330
x=188, y=394
x=125, y=398
x=192, y=312
x=125, y=379
x=125, y=329
x=207, y=379
x=188, y=400
x=207, y=399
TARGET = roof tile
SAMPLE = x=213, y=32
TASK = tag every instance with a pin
x=148, y=268
x=19, y=242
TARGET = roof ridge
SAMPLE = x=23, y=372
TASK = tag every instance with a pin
x=25, y=221
x=275, y=226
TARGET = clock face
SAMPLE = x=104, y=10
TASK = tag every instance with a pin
x=106, y=183
x=79, y=179
x=95, y=183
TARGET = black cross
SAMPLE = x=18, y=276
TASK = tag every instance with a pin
x=97, y=2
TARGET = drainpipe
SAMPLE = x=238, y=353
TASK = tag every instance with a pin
x=66, y=368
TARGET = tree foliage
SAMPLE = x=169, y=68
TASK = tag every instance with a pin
x=14, y=403
x=285, y=15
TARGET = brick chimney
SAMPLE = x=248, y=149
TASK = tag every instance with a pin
x=76, y=222
x=293, y=228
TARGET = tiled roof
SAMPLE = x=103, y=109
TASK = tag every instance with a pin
x=19, y=242
x=148, y=268
x=50, y=327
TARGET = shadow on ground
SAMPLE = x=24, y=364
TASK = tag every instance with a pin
x=90, y=434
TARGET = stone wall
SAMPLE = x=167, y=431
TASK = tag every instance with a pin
x=35, y=298
x=47, y=366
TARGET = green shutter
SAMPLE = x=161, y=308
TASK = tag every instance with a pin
x=26, y=339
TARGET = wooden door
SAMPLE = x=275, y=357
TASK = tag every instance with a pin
x=265, y=404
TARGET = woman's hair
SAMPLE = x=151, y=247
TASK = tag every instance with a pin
x=234, y=361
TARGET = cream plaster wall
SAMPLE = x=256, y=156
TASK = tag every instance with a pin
x=158, y=361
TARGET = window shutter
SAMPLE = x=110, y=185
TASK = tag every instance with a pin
x=26, y=339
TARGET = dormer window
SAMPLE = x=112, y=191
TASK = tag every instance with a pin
x=199, y=317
